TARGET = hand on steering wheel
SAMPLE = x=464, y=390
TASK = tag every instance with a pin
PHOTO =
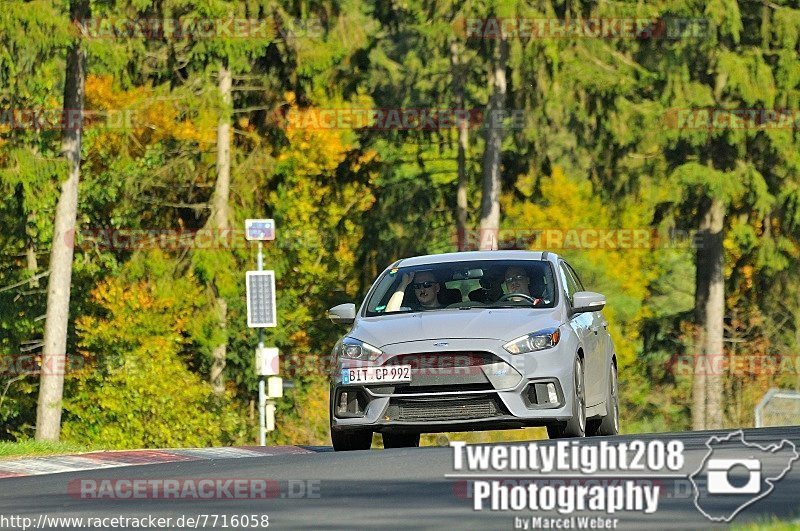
x=528, y=298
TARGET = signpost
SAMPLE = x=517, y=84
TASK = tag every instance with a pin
x=261, y=313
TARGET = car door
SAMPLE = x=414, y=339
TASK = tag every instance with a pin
x=586, y=325
x=600, y=329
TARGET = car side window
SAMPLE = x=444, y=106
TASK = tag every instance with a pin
x=575, y=278
x=570, y=287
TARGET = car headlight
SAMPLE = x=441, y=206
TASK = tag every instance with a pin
x=354, y=349
x=543, y=339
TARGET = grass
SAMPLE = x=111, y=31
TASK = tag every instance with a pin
x=520, y=435
x=770, y=525
x=31, y=447
x=473, y=437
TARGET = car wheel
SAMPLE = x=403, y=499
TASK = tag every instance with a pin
x=609, y=424
x=346, y=440
x=576, y=426
x=400, y=440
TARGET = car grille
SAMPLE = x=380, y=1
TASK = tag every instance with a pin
x=407, y=389
x=444, y=361
x=439, y=409
x=467, y=369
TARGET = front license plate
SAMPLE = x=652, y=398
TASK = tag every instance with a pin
x=367, y=375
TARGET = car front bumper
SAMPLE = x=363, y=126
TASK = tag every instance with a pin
x=470, y=384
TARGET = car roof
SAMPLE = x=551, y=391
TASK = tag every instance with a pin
x=475, y=255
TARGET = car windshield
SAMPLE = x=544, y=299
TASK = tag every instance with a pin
x=466, y=285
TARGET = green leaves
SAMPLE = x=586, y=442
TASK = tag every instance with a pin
x=748, y=78
x=137, y=390
x=710, y=181
x=726, y=17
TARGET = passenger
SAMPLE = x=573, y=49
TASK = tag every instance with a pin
x=426, y=288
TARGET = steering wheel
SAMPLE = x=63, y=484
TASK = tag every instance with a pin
x=507, y=296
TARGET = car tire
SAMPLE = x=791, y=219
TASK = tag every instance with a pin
x=609, y=424
x=576, y=426
x=400, y=440
x=346, y=440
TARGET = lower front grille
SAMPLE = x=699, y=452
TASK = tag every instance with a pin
x=438, y=409
x=407, y=389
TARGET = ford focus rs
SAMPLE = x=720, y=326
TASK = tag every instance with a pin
x=473, y=341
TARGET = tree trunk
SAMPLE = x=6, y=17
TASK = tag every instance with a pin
x=700, y=297
x=490, y=202
x=715, y=317
x=220, y=351
x=219, y=201
x=458, y=73
x=220, y=216
x=51, y=387
x=709, y=314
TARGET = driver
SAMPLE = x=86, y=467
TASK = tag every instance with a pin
x=517, y=281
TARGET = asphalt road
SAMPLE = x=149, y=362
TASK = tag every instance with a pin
x=377, y=489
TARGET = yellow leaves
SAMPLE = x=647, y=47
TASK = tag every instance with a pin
x=106, y=292
x=525, y=185
x=747, y=273
x=110, y=295
x=244, y=124
x=130, y=307
x=100, y=94
x=319, y=140
x=300, y=340
x=151, y=118
x=368, y=156
x=563, y=203
x=316, y=151
x=729, y=245
x=161, y=120
x=144, y=300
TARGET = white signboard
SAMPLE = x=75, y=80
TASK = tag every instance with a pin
x=274, y=387
x=259, y=229
x=267, y=361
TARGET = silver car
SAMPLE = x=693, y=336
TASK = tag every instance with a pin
x=473, y=341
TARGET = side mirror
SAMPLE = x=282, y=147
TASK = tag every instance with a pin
x=343, y=314
x=587, y=301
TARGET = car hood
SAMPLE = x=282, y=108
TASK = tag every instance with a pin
x=500, y=324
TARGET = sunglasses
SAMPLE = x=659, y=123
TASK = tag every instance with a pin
x=423, y=285
x=518, y=278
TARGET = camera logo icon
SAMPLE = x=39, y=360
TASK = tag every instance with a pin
x=720, y=473
x=736, y=473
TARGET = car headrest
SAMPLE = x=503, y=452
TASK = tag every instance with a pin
x=449, y=296
x=537, y=286
x=479, y=295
